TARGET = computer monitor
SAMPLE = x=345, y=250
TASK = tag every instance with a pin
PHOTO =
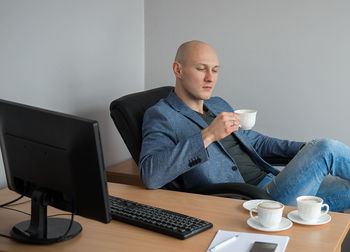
x=55, y=159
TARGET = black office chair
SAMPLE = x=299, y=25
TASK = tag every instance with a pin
x=127, y=113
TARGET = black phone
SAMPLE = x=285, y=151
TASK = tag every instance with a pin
x=263, y=247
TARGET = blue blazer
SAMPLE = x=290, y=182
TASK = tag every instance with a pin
x=172, y=146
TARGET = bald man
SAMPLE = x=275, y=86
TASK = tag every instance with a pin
x=196, y=69
x=194, y=139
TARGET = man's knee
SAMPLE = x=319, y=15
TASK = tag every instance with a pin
x=325, y=145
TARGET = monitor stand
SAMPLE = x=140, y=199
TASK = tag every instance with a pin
x=40, y=229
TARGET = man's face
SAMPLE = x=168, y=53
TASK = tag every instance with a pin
x=200, y=73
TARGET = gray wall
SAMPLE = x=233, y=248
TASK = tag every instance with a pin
x=288, y=59
x=73, y=56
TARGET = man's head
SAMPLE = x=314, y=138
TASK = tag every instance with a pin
x=196, y=69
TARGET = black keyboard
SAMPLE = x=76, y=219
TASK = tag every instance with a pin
x=160, y=220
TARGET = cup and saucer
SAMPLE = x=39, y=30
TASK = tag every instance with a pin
x=309, y=211
x=267, y=216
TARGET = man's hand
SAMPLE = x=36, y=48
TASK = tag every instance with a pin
x=223, y=125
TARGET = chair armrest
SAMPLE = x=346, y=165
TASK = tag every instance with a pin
x=277, y=161
x=233, y=190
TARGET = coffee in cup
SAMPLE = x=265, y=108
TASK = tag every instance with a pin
x=269, y=213
x=310, y=208
x=247, y=118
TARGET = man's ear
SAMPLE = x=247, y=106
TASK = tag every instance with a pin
x=177, y=68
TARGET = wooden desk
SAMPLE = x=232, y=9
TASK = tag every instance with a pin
x=126, y=172
x=226, y=214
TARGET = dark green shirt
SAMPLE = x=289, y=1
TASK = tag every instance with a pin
x=250, y=172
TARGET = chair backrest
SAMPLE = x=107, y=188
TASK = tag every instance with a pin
x=127, y=113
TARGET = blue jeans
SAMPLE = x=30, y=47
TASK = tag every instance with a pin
x=321, y=168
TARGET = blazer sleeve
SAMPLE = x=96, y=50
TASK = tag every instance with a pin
x=269, y=147
x=166, y=153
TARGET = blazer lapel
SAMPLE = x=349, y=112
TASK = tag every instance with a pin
x=182, y=108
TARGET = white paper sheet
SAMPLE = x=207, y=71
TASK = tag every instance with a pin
x=246, y=240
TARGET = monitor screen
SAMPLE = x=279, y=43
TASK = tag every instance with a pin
x=56, y=159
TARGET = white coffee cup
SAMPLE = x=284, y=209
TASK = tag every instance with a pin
x=269, y=213
x=247, y=118
x=309, y=208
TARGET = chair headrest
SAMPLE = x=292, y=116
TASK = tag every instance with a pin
x=127, y=114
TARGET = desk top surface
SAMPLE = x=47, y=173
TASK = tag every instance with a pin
x=225, y=214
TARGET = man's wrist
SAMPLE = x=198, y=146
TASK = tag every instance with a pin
x=208, y=138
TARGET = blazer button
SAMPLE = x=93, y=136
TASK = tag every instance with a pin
x=234, y=168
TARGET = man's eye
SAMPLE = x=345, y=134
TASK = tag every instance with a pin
x=201, y=69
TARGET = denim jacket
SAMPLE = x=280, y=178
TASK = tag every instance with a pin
x=172, y=146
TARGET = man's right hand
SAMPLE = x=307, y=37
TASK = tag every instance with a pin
x=223, y=125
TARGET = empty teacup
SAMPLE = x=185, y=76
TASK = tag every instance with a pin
x=269, y=213
x=247, y=118
x=309, y=208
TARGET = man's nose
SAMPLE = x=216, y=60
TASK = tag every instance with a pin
x=208, y=76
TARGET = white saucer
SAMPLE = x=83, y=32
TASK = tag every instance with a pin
x=252, y=203
x=285, y=224
x=294, y=216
